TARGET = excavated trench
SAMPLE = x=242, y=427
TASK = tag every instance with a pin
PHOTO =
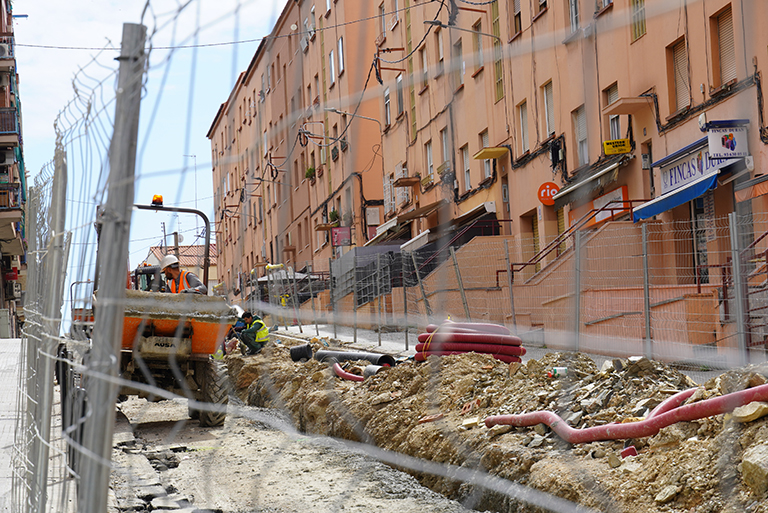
x=434, y=410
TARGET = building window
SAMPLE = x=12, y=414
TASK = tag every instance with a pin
x=331, y=68
x=395, y=12
x=424, y=67
x=679, y=83
x=444, y=143
x=498, y=69
x=429, y=164
x=614, y=123
x=382, y=19
x=726, y=53
x=523, y=111
x=440, y=52
x=400, y=95
x=341, y=55
x=638, y=18
x=478, y=40
x=517, y=18
x=573, y=11
x=387, y=108
x=484, y=143
x=327, y=5
x=465, y=165
x=458, y=63
x=580, y=134
x=543, y=5
x=549, y=109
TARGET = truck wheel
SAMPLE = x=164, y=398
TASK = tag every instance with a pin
x=215, y=392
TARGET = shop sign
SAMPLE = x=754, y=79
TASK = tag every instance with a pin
x=617, y=146
x=728, y=142
x=690, y=167
x=547, y=192
x=616, y=209
x=341, y=236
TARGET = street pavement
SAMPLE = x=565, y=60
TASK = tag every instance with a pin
x=10, y=361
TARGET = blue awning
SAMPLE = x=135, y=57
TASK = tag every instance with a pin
x=670, y=200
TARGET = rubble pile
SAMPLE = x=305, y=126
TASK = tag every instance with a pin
x=435, y=410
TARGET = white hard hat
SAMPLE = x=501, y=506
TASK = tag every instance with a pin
x=168, y=260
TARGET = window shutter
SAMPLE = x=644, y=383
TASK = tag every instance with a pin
x=400, y=192
x=682, y=97
x=388, y=206
x=613, y=94
x=517, y=6
x=524, y=126
x=727, y=50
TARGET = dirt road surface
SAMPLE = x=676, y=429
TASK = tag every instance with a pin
x=165, y=460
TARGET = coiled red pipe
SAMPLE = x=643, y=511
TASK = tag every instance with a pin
x=346, y=375
x=477, y=348
x=476, y=338
x=422, y=356
x=468, y=327
x=650, y=426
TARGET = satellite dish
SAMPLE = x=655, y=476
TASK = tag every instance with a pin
x=294, y=27
x=181, y=238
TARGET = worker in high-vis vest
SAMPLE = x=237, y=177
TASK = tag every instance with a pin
x=254, y=336
x=178, y=280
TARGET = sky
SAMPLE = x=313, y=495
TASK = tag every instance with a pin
x=184, y=89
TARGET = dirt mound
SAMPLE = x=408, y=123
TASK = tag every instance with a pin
x=434, y=411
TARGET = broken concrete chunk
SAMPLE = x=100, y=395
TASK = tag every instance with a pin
x=607, y=366
x=666, y=494
x=471, y=423
x=540, y=429
x=754, y=469
x=613, y=460
x=750, y=412
x=537, y=441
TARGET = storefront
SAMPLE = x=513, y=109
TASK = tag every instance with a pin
x=691, y=176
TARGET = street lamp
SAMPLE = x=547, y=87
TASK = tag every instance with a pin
x=438, y=23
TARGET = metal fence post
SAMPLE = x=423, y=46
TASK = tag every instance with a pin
x=509, y=284
x=332, y=295
x=461, y=284
x=311, y=268
x=295, y=301
x=577, y=289
x=354, y=294
x=738, y=290
x=378, y=291
x=405, y=298
x=421, y=286
x=108, y=328
x=647, y=296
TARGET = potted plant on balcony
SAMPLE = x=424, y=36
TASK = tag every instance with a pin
x=310, y=173
x=333, y=217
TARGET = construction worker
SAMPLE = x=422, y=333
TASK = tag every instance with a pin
x=255, y=335
x=179, y=280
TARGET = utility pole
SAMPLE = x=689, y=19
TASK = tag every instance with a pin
x=102, y=367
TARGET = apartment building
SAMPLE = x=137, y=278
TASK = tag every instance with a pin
x=534, y=114
x=12, y=183
x=296, y=147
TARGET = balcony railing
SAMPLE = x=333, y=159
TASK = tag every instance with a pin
x=9, y=121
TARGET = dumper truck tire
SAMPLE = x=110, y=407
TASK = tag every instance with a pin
x=215, y=392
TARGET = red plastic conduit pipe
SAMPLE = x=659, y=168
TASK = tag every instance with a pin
x=650, y=426
x=422, y=355
x=477, y=348
x=346, y=375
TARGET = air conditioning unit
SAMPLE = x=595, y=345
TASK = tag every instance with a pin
x=304, y=44
x=5, y=50
x=7, y=157
x=16, y=289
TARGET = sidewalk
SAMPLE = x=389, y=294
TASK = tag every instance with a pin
x=10, y=356
x=393, y=343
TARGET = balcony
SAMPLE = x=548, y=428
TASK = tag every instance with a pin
x=9, y=126
x=11, y=216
